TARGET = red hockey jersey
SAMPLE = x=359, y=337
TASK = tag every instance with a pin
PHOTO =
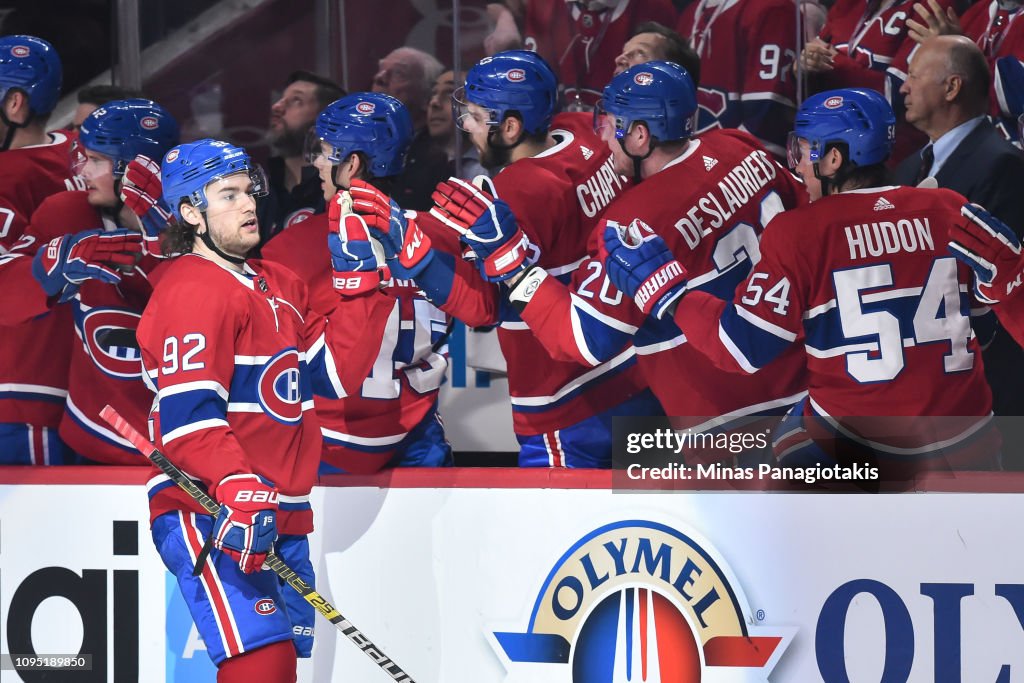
x=235, y=359
x=33, y=374
x=865, y=278
x=581, y=45
x=747, y=49
x=710, y=205
x=106, y=367
x=557, y=197
x=363, y=428
x=28, y=175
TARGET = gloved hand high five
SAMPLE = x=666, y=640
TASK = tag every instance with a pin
x=486, y=225
x=406, y=247
x=992, y=250
x=640, y=264
x=141, y=191
x=357, y=259
x=246, y=526
x=64, y=263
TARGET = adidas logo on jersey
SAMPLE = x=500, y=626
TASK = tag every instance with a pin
x=587, y=152
x=884, y=204
x=709, y=163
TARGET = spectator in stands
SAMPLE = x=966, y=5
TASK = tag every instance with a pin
x=578, y=38
x=745, y=49
x=294, y=186
x=653, y=41
x=92, y=97
x=441, y=127
x=993, y=26
x=946, y=96
x=408, y=74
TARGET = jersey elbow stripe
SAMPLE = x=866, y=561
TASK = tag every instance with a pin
x=574, y=388
x=204, y=385
x=750, y=340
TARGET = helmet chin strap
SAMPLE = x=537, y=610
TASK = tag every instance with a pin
x=637, y=159
x=208, y=241
x=12, y=128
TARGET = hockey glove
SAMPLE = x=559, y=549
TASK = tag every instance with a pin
x=66, y=262
x=406, y=247
x=993, y=252
x=355, y=256
x=487, y=226
x=246, y=526
x=141, y=191
x=639, y=263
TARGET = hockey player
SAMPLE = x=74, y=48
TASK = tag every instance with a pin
x=33, y=165
x=747, y=49
x=98, y=271
x=557, y=181
x=235, y=353
x=710, y=198
x=393, y=418
x=864, y=275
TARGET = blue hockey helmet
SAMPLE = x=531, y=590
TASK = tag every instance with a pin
x=375, y=124
x=861, y=119
x=187, y=169
x=31, y=65
x=660, y=94
x=124, y=129
x=514, y=81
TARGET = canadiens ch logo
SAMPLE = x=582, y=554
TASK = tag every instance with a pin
x=280, y=388
x=643, y=78
x=366, y=107
x=20, y=51
x=516, y=75
x=172, y=155
x=265, y=607
x=834, y=102
x=642, y=602
x=109, y=338
x=149, y=123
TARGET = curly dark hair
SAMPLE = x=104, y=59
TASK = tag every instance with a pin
x=178, y=238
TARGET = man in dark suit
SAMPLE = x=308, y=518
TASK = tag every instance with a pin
x=946, y=91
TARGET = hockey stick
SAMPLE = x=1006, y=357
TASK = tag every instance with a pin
x=273, y=562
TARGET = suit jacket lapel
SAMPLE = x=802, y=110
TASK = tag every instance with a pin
x=952, y=169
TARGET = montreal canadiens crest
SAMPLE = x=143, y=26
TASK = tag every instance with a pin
x=280, y=388
x=638, y=601
x=515, y=75
x=366, y=108
x=834, y=102
x=109, y=337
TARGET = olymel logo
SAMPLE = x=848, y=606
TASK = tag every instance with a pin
x=641, y=602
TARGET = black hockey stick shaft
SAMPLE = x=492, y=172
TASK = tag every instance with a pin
x=273, y=562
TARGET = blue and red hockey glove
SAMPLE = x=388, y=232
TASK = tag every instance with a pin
x=357, y=259
x=993, y=252
x=406, y=247
x=640, y=264
x=246, y=526
x=64, y=263
x=142, y=191
x=486, y=225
